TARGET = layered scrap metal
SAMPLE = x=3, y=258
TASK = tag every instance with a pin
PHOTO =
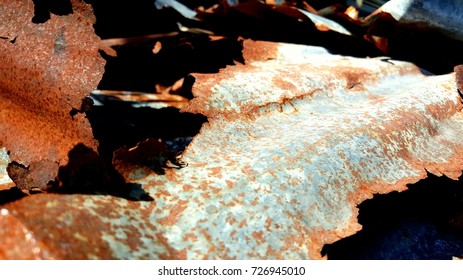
x=45, y=71
x=296, y=139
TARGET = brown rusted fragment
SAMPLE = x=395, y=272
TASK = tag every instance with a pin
x=37, y=174
x=150, y=154
x=44, y=74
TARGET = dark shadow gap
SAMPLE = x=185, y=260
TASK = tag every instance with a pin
x=43, y=8
x=118, y=125
x=87, y=173
x=424, y=222
x=137, y=68
x=11, y=195
x=124, y=18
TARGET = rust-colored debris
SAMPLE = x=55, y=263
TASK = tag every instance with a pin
x=141, y=99
x=296, y=139
x=45, y=72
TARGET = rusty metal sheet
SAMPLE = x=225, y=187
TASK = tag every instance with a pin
x=45, y=71
x=296, y=138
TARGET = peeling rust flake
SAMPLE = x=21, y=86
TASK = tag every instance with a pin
x=293, y=143
x=44, y=73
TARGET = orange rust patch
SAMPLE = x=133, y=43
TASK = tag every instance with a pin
x=215, y=171
x=162, y=193
x=229, y=204
x=187, y=187
x=206, y=235
x=268, y=223
x=232, y=221
x=259, y=50
x=174, y=214
x=229, y=183
x=437, y=112
x=259, y=237
x=190, y=237
x=205, y=195
x=255, y=201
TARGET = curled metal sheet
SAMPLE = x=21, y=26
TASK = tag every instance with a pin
x=444, y=15
x=46, y=68
x=296, y=139
x=325, y=23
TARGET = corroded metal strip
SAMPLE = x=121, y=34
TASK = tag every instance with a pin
x=45, y=70
x=295, y=140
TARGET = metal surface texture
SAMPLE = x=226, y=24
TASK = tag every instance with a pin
x=296, y=138
x=46, y=68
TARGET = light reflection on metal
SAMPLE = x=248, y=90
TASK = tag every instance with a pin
x=324, y=24
x=139, y=99
x=5, y=180
x=294, y=142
